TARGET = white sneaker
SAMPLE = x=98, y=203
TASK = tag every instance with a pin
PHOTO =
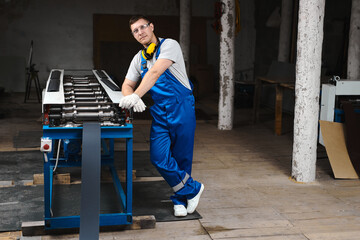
x=180, y=211
x=192, y=203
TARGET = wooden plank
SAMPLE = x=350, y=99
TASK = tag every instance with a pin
x=106, y=175
x=278, y=109
x=142, y=222
x=37, y=228
x=38, y=178
x=6, y=184
x=148, y=179
x=65, y=178
x=268, y=80
x=256, y=100
x=10, y=235
x=288, y=85
x=27, y=183
x=62, y=178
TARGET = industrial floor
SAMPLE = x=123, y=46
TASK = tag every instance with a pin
x=246, y=172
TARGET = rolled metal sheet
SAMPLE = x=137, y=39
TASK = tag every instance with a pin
x=90, y=181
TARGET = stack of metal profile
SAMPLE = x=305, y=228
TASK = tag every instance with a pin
x=92, y=95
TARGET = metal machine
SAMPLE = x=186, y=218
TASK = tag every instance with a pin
x=332, y=94
x=70, y=100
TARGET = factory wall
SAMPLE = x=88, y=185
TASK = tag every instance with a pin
x=62, y=32
x=334, y=54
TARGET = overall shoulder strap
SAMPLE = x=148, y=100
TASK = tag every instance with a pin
x=143, y=63
x=158, y=50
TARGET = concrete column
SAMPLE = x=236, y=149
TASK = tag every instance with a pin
x=307, y=88
x=353, y=67
x=285, y=30
x=227, y=66
x=185, y=19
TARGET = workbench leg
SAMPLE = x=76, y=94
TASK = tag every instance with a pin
x=112, y=148
x=104, y=147
x=118, y=188
x=278, y=109
x=256, y=100
x=48, y=181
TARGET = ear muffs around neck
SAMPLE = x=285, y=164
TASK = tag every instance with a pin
x=148, y=52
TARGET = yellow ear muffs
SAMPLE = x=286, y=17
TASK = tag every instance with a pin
x=148, y=52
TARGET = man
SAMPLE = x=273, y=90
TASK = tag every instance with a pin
x=161, y=68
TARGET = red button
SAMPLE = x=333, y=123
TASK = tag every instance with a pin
x=46, y=146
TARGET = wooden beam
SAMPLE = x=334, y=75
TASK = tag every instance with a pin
x=37, y=228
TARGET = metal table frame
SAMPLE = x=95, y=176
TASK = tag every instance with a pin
x=125, y=197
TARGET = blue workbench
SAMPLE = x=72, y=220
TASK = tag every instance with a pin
x=108, y=134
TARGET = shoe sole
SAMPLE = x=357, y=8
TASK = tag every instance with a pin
x=180, y=215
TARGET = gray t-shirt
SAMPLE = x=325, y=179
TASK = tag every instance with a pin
x=169, y=49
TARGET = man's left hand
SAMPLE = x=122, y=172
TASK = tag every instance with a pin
x=139, y=106
x=129, y=101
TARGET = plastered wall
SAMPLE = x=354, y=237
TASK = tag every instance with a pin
x=62, y=32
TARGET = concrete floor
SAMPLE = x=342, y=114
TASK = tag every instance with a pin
x=248, y=190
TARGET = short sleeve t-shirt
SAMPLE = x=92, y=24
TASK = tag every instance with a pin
x=169, y=49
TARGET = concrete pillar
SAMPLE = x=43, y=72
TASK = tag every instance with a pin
x=353, y=67
x=227, y=66
x=185, y=19
x=307, y=88
x=285, y=30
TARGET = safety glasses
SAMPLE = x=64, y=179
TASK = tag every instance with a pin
x=142, y=27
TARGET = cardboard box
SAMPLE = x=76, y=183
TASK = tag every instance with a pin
x=334, y=141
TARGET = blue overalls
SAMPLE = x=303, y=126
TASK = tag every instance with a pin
x=172, y=133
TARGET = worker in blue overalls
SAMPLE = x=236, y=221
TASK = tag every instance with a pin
x=161, y=68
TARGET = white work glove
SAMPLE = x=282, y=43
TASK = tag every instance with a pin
x=139, y=106
x=129, y=101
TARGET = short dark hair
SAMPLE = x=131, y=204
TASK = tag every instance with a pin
x=135, y=18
